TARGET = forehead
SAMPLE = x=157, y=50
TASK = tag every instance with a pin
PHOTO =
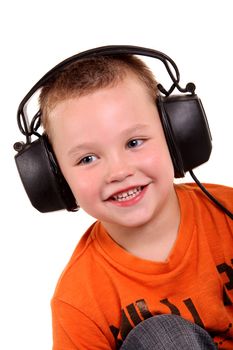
x=127, y=88
x=128, y=102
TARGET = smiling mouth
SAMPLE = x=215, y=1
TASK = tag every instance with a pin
x=127, y=195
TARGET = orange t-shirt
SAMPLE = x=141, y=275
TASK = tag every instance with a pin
x=105, y=291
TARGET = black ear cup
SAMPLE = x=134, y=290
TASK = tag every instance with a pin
x=186, y=130
x=43, y=181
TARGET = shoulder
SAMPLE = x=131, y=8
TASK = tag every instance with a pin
x=86, y=280
x=214, y=188
x=191, y=191
x=79, y=267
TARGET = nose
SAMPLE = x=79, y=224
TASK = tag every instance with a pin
x=118, y=169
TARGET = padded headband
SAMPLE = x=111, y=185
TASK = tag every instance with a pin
x=28, y=129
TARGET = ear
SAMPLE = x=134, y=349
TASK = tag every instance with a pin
x=43, y=181
x=186, y=130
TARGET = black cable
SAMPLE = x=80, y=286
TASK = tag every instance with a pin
x=209, y=195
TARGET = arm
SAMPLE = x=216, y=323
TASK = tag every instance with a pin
x=72, y=330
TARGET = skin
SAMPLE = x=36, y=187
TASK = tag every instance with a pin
x=108, y=143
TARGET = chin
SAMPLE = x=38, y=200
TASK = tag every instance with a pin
x=137, y=221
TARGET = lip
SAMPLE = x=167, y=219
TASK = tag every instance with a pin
x=131, y=201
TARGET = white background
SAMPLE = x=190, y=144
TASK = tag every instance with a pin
x=36, y=35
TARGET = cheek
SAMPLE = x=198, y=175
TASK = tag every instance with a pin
x=85, y=187
x=158, y=162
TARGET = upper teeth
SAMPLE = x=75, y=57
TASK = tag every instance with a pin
x=127, y=195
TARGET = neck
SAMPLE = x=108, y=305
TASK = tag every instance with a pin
x=154, y=240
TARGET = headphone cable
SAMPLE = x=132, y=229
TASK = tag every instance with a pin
x=209, y=195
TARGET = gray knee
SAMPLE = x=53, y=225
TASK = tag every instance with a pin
x=165, y=332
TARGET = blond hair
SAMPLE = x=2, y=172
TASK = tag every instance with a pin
x=88, y=75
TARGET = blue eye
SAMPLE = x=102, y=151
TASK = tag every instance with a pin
x=87, y=160
x=134, y=143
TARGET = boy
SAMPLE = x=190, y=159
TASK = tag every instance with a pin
x=156, y=248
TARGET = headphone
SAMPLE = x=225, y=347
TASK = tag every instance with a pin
x=182, y=116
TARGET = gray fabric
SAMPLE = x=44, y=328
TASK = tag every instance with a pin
x=168, y=332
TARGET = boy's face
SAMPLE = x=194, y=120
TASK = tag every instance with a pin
x=112, y=151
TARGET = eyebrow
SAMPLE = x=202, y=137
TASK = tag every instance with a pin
x=88, y=145
x=80, y=147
